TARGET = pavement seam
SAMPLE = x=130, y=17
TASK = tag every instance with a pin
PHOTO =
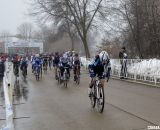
x=150, y=122
x=137, y=82
x=140, y=129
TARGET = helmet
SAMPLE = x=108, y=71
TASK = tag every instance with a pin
x=123, y=48
x=56, y=53
x=125, y=55
x=103, y=56
x=37, y=55
x=76, y=54
x=65, y=55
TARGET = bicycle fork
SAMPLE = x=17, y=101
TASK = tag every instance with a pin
x=98, y=94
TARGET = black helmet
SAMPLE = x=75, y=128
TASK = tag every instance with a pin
x=124, y=48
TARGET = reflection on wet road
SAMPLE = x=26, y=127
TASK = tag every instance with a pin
x=20, y=91
x=45, y=105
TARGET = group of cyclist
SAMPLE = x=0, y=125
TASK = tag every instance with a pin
x=69, y=60
x=41, y=62
x=99, y=68
x=19, y=62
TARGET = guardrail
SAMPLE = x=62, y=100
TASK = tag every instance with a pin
x=8, y=92
x=145, y=70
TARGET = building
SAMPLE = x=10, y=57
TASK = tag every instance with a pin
x=2, y=47
x=23, y=46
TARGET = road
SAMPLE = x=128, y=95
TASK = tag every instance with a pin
x=45, y=105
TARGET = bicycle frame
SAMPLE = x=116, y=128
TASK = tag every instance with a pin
x=97, y=84
x=97, y=96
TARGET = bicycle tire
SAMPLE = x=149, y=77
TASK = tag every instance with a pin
x=77, y=80
x=93, y=97
x=65, y=80
x=59, y=78
x=101, y=101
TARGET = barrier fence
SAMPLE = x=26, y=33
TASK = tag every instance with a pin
x=145, y=70
x=8, y=94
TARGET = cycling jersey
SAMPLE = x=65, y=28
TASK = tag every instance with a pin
x=96, y=68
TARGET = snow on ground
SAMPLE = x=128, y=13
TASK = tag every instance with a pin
x=149, y=67
x=145, y=67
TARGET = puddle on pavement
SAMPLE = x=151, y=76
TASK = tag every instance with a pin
x=20, y=91
x=1, y=91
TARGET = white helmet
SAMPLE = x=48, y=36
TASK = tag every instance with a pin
x=125, y=55
x=65, y=55
x=37, y=55
x=104, y=56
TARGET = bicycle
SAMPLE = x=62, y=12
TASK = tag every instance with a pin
x=37, y=72
x=59, y=76
x=97, y=95
x=45, y=67
x=24, y=72
x=16, y=73
x=50, y=65
x=65, y=77
x=77, y=75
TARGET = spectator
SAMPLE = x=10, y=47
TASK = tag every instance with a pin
x=2, y=68
x=123, y=61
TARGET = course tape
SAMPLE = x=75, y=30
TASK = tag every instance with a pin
x=8, y=98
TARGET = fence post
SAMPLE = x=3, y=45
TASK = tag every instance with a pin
x=155, y=80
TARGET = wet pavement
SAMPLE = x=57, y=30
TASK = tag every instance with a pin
x=45, y=105
x=2, y=106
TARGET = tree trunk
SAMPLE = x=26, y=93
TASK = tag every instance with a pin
x=86, y=48
x=72, y=40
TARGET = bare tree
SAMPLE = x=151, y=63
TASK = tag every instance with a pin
x=142, y=33
x=80, y=13
x=5, y=35
x=25, y=30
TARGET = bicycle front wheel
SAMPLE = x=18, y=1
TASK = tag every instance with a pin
x=93, y=97
x=100, y=99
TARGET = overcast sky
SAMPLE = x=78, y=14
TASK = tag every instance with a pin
x=12, y=14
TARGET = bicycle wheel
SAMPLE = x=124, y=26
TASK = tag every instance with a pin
x=100, y=99
x=24, y=73
x=41, y=72
x=24, y=76
x=65, y=79
x=77, y=79
x=93, y=97
x=59, y=77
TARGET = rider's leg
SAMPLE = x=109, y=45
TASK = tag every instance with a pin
x=26, y=70
x=62, y=71
x=74, y=70
x=91, y=85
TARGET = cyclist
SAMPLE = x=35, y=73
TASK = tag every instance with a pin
x=76, y=65
x=16, y=63
x=24, y=63
x=45, y=62
x=2, y=67
x=50, y=61
x=33, y=62
x=37, y=63
x=96, y=68
x=56, y=62
x=64, y=62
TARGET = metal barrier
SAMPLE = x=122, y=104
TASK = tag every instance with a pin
x=8, y=92
x=146, y=70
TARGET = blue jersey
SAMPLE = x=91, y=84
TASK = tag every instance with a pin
x=24, y=62
x=38, y=62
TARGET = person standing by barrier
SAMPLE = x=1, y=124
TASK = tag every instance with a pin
x=123, y=61
x=2, y=67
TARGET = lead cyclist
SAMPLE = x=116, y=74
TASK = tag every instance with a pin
x=97, y=69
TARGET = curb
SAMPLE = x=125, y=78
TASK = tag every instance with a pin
x=137, y=82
